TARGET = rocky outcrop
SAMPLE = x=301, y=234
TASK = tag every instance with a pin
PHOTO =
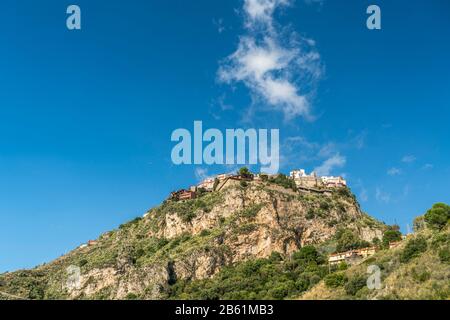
x=195, y=239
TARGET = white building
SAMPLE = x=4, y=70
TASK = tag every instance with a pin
x=207, y=184
x=334, y=182
x=302, y=179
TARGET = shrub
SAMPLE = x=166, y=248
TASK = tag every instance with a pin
x=275, y=257
x=335, y=280
x=205, y=233
x=413, y=249
x=251, y=211
x=310, y=214
x=332, y=223
x=131, y=296
x=245, y=173
x=130, y=223
x=342, y=266
x=284, y=181
x=376, y=241
x=438, y=216
x=420, y=276
x=355, y=284
x=324, y=205
x=82, y=263
x=444, y=255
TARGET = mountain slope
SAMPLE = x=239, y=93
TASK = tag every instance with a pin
x=418, y=269
x=184, y=242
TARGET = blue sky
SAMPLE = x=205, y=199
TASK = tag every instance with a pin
x=86, y=116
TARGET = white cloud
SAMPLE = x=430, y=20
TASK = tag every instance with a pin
x=336, y=161
x=428, y=166
x=408, y=159
x=382, y=196
x=363, y=195
x=261, y=11
x=273, y=71
x=219, y=25
x=201, y=173
x=394, y=171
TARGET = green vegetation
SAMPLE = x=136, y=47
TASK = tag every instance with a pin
x=271, y=278
x=348, y=240
x=413, y=249
x=392, y=234
x=336, y=280
x=355, y=284
x=245, y=173
x=438, y=216
x=138, y=252
x=284, y=181
x=419, y=269
x=188, y=210
x=251, y=211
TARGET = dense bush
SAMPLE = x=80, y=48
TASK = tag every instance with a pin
x=355, y=284
x=335, y=280
x=284, y=181
x=413, y=248
x=444, y=255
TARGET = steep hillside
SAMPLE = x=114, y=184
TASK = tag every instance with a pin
x=418, y=269
x=180, y=244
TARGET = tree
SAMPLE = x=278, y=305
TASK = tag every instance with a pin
x=376, y=241
x=438, y=216
x=245, y=173
x=346, y=240
x=392, y=234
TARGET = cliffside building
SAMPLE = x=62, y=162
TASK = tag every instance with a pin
x=304, y=180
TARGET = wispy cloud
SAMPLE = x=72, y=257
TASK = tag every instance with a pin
x=408, y=159
x=219, y=25
x=274, y=70
x=382, y=196
x=201, y=173
x=363, y=195
x=427, y=166
x=327, y=167
x=394, y=171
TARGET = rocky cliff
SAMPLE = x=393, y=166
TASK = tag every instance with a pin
x=194, y=240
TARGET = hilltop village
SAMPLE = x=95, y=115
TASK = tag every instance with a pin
x=303, y=182
x=310, y=183
x=298, y=180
